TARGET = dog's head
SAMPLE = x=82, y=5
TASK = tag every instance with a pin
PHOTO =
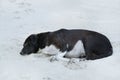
x=33, y=43
x=30, y=45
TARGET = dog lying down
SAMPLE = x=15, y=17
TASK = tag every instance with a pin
x=64, y=44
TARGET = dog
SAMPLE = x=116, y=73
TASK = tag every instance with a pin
x=74, y=43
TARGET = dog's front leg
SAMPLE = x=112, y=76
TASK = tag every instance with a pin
x=59, y=56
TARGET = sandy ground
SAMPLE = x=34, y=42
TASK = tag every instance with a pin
x=20, y=18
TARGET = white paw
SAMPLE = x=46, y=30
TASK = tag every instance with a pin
x=73, y=60
x=82, y=59
x=53, y=58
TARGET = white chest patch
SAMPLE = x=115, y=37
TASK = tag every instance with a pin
x=76, y=52
x=51, y=50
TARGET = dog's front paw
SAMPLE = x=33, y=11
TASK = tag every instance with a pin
x=73, y=60
x=53, y=58
x=82, y=59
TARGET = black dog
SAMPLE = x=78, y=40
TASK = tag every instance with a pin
x=96, y=45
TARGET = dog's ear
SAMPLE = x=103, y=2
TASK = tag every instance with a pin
x=31, y=39
x=42, y=39
x=34, y=39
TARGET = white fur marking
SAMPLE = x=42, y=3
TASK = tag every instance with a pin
x=77, y=51
x=55, y=53
x=67, y=45
x=51, y=50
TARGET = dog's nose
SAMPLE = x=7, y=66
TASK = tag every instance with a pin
x=21, y=53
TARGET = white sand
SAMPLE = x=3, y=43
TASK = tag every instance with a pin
x=20, y=18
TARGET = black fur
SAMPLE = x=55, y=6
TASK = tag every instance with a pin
x=95, y=44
